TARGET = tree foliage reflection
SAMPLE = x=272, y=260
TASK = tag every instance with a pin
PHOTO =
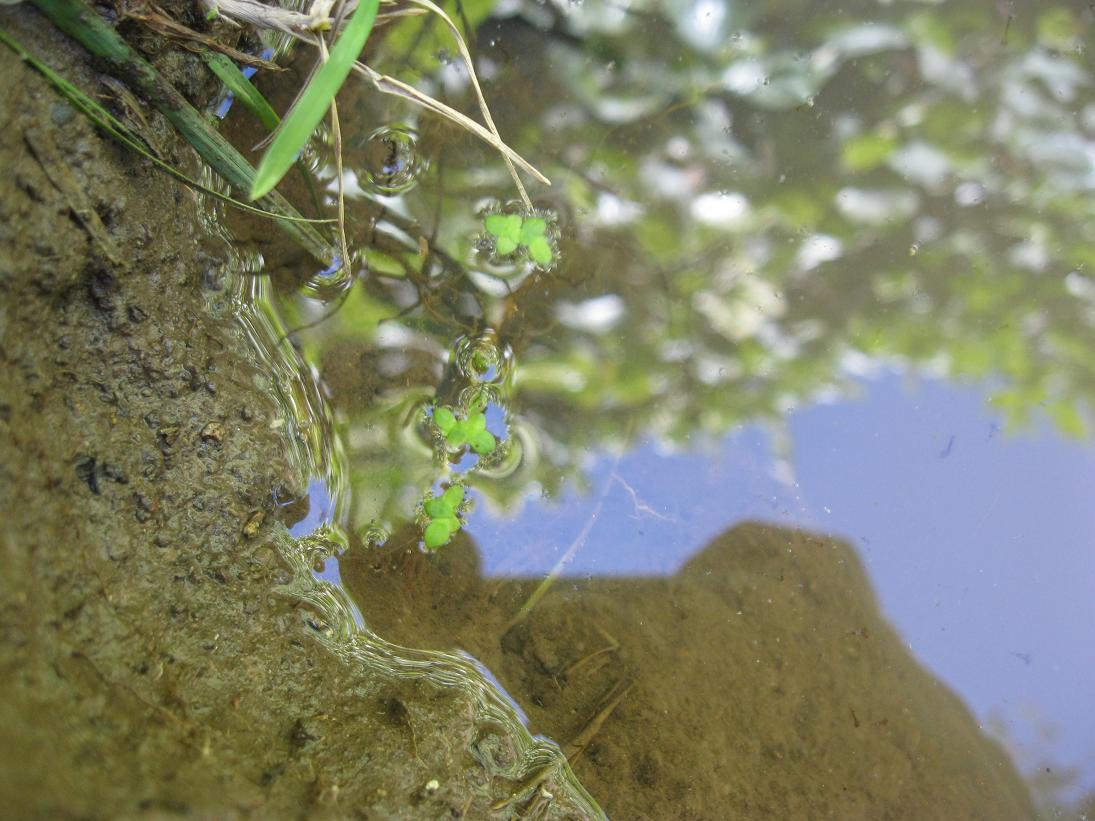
x=755, y=206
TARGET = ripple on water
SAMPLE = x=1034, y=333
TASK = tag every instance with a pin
x=390, y=161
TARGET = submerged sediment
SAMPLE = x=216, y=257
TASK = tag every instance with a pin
x=760, y=681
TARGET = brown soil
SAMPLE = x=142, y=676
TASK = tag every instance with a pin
x=147, y=667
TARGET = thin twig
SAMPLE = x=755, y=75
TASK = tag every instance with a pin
x=483, y=108
x=390, y=85
x=578, y=746
x=336, y=138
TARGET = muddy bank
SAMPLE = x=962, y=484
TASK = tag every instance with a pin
x=148, y=668
x=759, y=682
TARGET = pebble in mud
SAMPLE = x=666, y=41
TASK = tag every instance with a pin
x=254, y=524
x=213, y=432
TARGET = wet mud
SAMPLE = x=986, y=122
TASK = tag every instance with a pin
x=149, y=665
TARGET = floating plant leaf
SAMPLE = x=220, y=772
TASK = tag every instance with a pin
x=458, y=433
x=540, y=251
x=476, y=422
x=512, y=231
x=484, y=442
x=444, y=419
x=453, y=496
x=438, y=532
x=532, y=228
x=507, y=231
x=443, y=519
x=504, y=225
x=439, y=508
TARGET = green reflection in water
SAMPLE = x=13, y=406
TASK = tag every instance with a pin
x=752, y=206
x=743, y=221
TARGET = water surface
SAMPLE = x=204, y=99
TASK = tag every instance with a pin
x=827, y=270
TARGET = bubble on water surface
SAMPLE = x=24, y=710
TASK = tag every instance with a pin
x=484, y=358
x=390, y=162
x=332, y=282
x=373, y=534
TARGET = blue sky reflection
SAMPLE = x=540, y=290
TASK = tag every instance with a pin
x=979, y=544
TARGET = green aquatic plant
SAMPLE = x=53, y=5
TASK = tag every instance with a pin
x=470, y=430
x=443, y=514
x=512, y=231
x=460, y=429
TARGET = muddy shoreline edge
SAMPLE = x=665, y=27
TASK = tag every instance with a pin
x=148, y=667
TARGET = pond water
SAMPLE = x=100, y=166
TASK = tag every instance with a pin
x=788, y=373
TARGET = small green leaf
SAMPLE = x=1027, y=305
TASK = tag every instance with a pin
x=443, y=418
x=532, y=228
x=512, y=227
x=507, y=230
x=540, y=251
x=438, y=533
x=453, y=524
x=458, y=434
x=453, y=496
x=496, y=224
x=235, y=81
x=476, y=422
x=484, y=442
x=439, y=508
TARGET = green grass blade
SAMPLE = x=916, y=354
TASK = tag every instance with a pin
x=244, y=89
x=78, y=20
x=127, y=137
x=314, y=101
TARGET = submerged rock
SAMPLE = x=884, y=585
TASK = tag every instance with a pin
x=761, y=681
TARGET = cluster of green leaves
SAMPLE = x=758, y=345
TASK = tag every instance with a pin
x=512, y=231
x=471, y=430
x=443, y=513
